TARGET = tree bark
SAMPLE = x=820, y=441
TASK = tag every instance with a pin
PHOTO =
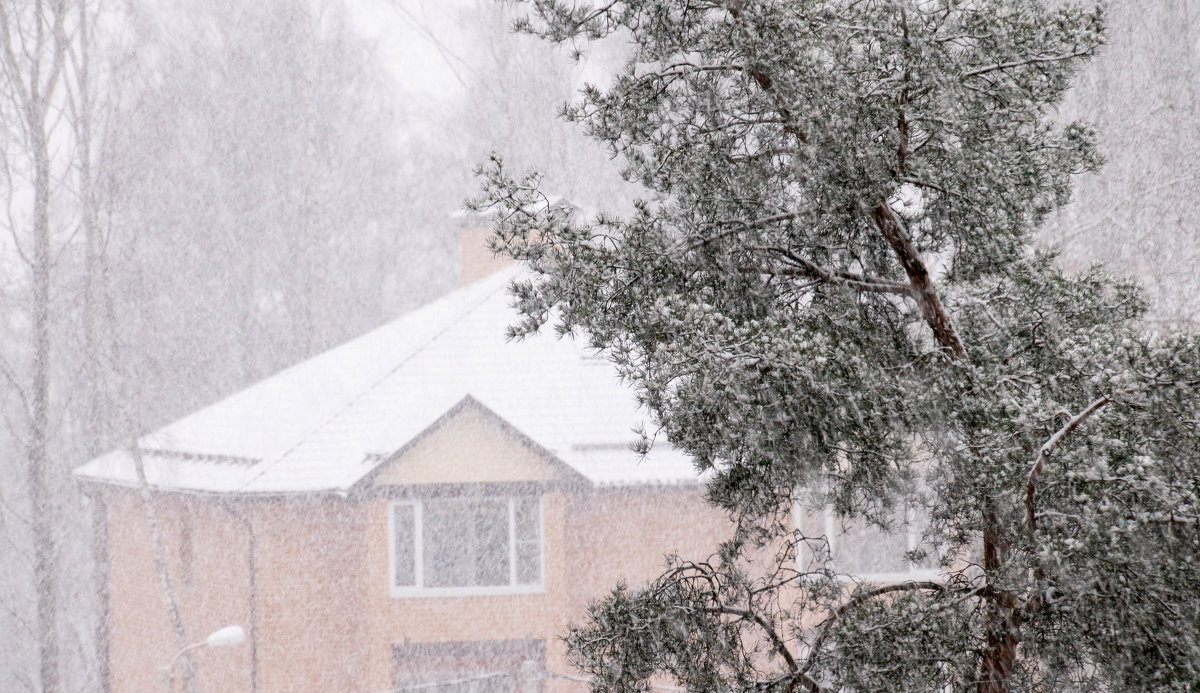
x=33, y=55
x=1001, y=628
x=45, y=568
x=923, y=290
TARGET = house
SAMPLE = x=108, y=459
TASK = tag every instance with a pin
x=427, y=504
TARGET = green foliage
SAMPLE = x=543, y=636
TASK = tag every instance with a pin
x=831, y=285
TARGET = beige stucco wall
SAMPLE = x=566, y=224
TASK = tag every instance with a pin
x=313, y=584
x=623, y=534
x=478, y=261
x=143, y=640
x=469, y=446
x=327, y=620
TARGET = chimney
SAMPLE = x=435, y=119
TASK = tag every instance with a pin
x=477, y=259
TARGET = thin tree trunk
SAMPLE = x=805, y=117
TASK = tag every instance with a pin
x=89, y=218
x=160, y=568
x=45, y=568
x=33, y=56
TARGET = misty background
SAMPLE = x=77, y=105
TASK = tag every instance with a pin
x=197, y=195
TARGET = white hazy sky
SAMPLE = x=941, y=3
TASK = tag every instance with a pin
x=421, y=44
x=418, y=42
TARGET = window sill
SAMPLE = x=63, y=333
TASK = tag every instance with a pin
x=439, y=592
x=894, y=578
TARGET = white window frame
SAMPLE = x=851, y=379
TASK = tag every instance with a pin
x=912, y=540
x=419, y=590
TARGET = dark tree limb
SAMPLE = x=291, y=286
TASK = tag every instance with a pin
x=854, y=280
x=922, y=286
x=1046, y=451
x=856, y=600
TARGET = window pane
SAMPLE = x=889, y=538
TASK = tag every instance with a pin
x=465, y=542
x=403, y=545
x=918, y=522
x=526, y=514
x=862, y=548
x=529, y=562
x=490, y=548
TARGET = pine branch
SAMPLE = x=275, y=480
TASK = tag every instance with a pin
x=922, y=289
x=1029, y=61
x=856, y=600
x=1044, y=453
x=853, y=280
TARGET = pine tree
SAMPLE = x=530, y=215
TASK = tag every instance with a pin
x=829, y=297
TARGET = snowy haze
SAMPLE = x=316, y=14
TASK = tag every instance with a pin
x=236, y=187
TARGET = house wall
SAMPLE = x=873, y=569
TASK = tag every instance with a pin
x=312, y=595
x=325, y=618
x=396, y=620
x=591, y=540
x=212, y=592
x=309, y=581
x=478, y=260
x=469, y=445
x=625, y=533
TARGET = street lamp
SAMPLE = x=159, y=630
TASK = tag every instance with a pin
x=229, y=635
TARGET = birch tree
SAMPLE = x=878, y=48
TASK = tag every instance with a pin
x=830, y=298
x=239, y=168
x=35, y=40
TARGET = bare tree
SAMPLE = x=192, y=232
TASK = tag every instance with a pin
x=35, y=41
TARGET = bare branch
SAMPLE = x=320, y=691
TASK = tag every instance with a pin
x=923, y=289
x=160, y=566
x=1029, y=61
x=856, y=600
x=1044, y=453
x=797, y=674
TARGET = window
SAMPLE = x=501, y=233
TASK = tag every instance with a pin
x=466, y=545
x=864, y=551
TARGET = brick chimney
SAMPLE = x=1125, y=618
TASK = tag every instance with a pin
x=478, y=260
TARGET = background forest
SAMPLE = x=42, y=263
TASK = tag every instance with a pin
x=200, y=194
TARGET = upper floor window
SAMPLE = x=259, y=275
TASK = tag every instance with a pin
x=466, y=545
x=858, y=549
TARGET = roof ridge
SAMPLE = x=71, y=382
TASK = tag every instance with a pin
x=266, y=465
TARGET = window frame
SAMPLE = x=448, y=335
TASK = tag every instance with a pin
x=420, y=590
x=912, y=537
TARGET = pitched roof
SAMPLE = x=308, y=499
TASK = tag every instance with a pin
x=326, y=423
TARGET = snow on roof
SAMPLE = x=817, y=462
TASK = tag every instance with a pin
x=324, y=424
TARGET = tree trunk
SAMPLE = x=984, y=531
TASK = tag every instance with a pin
x=45, y=559
x=160, y=569
x=1002, y=632
x=923, y=290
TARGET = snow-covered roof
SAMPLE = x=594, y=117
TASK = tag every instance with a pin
x=326, y=423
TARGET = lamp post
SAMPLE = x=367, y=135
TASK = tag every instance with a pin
x=229, y=635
